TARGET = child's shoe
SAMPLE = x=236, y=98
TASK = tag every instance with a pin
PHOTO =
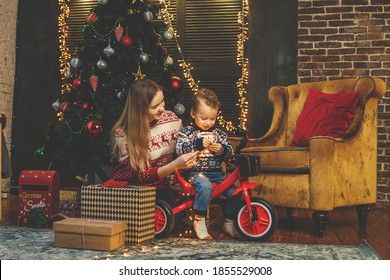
x=230, y=229
x=201, y=229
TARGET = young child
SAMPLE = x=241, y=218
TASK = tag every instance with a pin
x=213, y=147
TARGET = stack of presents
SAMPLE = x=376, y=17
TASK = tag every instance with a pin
x=91, y=218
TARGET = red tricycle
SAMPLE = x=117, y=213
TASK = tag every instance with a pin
x=255, y=218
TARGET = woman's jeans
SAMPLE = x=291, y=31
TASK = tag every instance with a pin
x=202, y=184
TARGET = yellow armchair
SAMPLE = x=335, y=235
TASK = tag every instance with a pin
x=331, y=172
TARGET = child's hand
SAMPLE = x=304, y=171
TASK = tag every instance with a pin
x=215, y=147
x=206, y=142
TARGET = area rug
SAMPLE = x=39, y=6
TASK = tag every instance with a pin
x=22, y=243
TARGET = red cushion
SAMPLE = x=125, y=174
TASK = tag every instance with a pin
x=325, y=115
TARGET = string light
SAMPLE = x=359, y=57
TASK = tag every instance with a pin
x=64, y=51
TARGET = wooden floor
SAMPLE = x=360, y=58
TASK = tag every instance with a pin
x=342, y=229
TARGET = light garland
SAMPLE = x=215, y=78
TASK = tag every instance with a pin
x=241, y=60
x=64, y=51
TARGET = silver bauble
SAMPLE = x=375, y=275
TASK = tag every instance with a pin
x=101, y=64
x=148, y=16
x=56, y=105
x=102, y=2
x=168, y=34
x=68, y=72
x=75, y=62
x=144, y=57
x=121, y=96
x=108, y=51
x=179, y=109
x=169, y=60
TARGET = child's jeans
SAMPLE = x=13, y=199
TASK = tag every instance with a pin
x=202, y=184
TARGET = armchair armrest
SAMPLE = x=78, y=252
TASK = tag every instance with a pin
x=274, y=136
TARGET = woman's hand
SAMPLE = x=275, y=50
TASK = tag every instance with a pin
x=186, y=160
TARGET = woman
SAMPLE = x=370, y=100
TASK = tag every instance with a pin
x=144, y=139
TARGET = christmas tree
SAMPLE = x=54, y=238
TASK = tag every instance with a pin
x=122, y=39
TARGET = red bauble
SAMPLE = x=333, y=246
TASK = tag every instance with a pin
x=77, y=83
x=94, y=128
x=176, y=84
x=87, y=106
x=126, y=41
x=91, y=18
x=165, y=52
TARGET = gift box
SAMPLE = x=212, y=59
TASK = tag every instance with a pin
x=70, y=195
x=69, y=209
x=89, y=234
x=133, y=204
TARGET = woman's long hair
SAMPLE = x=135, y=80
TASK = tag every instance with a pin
x=134, y=121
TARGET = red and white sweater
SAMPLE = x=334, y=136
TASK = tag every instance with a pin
x=163, y=133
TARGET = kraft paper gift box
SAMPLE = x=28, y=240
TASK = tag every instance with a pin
x=89, y=234
x=133, y=204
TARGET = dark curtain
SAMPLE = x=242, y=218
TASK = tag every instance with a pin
x=37, y=80
x=272, y=52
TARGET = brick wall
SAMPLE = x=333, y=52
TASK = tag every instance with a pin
x=8, y=14
x=349, y=38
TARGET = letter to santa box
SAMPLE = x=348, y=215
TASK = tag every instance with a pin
x=38, y=188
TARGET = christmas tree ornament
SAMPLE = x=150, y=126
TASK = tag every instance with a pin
x=91, y=18
x=94, y=81
x=108, y=51
x=138, y=75
x=68, y=72
x=169, y=60
x=94, y=128
x=39, y=153
x=165, y=52
x=121, y=96
x=179, y=109
x=56, y=105
x=168, y=34
x=118, y=32
x=102, y=2
x=101, y=64
x=176, y=84
x=87, y=106
x=148, y=16
x=75, y=62
x=144, y=57
x=76, y=84
x=126, y=41
x=64, y=106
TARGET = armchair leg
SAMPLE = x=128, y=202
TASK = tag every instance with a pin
x=320, y=219
x=362, y=211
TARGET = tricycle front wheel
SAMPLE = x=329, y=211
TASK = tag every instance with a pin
x=261, y=225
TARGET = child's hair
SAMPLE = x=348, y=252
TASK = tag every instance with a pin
x=207, y=96
x=134, y=122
